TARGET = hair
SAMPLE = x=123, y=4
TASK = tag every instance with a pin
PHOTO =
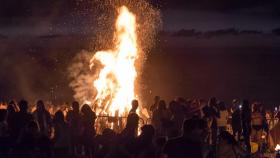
x=58, y=116
x=86, y=109
x=162, y=104
x=23, y=105
x=222, y=106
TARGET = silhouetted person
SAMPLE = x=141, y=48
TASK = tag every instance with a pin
x=61, y=135
x=246, y=124
x=211, y=113
x=32, y=143
x=127, y=139
x=106, y=143
x=228, y=146
x=5, y=142
x=74, y=120
x=144, y=143
x=12, y=120
x=23, y=117
x=236, y=120
x=190, y=144
x=43, y=117
x=88, y=130
x=134, y=106
x=177, y=118
x=161, y=118
x=257, y=121
x=155, y=104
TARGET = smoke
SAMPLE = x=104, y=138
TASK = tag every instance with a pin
x=149, y=21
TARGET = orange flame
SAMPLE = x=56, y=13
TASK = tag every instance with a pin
x=115, y=82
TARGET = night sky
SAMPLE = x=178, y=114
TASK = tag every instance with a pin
x=223, y=48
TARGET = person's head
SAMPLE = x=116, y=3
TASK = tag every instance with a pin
x=147, y=131
x=195, y=128
x=134, y=104
x=23, y=106
x=58, y=116
x=226, y=138
x=212, y=101
x=172, y=106
x=11, y=108
x=156, y=99
x=86, y=109
x=162, y=104
x=3, y=113
x=222, y=106
x=40, y=105
x=235, y=102
x=75, y=106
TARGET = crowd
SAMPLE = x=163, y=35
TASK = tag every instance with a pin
x=182, y=129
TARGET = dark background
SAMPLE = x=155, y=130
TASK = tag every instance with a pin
x=228, y=49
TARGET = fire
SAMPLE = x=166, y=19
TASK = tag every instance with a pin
x=115, y=82
x=277, y=148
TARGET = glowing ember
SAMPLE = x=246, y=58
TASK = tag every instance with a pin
x=277, y=148
x=115, y=82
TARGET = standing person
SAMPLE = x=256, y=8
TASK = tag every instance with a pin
x=236, y=120
x=88, y=131
x=43, y=118
x=222, y=120
x=257, y=123
x=190, y=144
x=155, y=104
x=246, y=123
x=161, y=118
x=211, y=113
x=61, y=135
x=12, y=120
x=23, y=117
x=74, y=120
x=228, y=147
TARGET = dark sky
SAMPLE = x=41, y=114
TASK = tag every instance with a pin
x=226, y=48
x=177, y=14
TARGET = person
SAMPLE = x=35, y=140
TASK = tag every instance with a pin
x=105, y=143
x=43, y=117
x=222, y=120
x=155, y=104
x=88, y=118
x=190, y=144
x=177, y=118
x=161, y=118
x=61, y=135
x=257, y=123
x=236, y=120
x=33, y=143
x=12, y=120
x=144, y=143
x=73, y=118
x=211, y=113
x=23, y=117
x=228, y=147
x=127, y=139
x=246, y=124
x=5, y=142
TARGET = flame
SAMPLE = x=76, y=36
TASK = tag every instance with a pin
x=277, y=148
x=115, y=82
